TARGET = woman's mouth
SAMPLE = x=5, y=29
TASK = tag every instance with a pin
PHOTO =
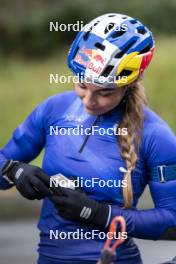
x=91, y=108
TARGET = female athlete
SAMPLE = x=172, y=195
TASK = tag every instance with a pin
x=123, y=141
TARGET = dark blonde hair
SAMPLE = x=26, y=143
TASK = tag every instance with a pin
x=133, y=118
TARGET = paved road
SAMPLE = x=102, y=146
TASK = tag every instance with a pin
x=18, y=245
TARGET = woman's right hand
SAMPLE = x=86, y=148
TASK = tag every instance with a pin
x=30, y=181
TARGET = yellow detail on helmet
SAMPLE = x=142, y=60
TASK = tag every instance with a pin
x=132, y=63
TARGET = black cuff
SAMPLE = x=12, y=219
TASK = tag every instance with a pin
x=6, y=168
x=102, y=215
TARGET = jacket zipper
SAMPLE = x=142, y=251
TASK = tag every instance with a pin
x=87, y=136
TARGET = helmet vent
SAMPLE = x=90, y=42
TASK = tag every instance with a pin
x=109, y=27
x=129, y=46
x=145, y=50
x=99, y=46
x=121, y=53
x=118, y=33
x=134, y=21
x=107, y=70
x=142, y=31
x=111, y=15
x=124, y=73
x=124, y=17
x=86, y=35
x=96, y=23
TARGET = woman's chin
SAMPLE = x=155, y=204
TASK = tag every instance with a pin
x=90, y=112
x=93, y=111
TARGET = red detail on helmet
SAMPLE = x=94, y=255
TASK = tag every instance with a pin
x=94, y=68
x=79, y=59
x=146, y=59
x=93, y=54
x=99, y=58
x=87, y=52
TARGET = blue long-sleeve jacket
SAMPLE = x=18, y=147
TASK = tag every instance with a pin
x=100, y=158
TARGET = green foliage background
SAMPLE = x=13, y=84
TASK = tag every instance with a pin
x=24, y=84
x=24, y=25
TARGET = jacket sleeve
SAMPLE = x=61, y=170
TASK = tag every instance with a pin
x=26, y=142
x=159, y=222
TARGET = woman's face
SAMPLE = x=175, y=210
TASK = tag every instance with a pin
x=97, y=100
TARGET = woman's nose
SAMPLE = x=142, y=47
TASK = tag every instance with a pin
x=89, y=99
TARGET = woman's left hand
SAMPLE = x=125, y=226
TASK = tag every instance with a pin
x=77, y=206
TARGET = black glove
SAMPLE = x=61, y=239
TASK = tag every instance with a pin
x=30, y=181
x=77, y=206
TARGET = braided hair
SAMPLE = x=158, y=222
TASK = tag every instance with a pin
x=133, y=118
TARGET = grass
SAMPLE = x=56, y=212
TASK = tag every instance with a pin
x=160, y=81
x=24, y=84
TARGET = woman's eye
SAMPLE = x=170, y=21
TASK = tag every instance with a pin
x=106, y=94
x=82, y=86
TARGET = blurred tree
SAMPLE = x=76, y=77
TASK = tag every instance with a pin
x=24, y=25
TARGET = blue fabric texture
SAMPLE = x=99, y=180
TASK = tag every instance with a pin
x=101, y=159
x=46, y=260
